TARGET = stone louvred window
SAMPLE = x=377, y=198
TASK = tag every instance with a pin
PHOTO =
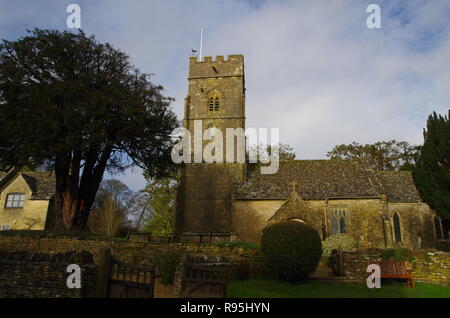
x=214, y=104
x=214, y=101
x=397, y=228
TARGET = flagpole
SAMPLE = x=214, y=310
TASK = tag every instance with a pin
x=201, y=43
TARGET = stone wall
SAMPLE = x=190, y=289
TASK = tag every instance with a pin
x=443, y=245
x=129, y=252
x=29, y=274
x=427, y=266
x=368, y=221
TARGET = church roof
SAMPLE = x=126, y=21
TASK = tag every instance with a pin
x=398, y=186
x=321, y=179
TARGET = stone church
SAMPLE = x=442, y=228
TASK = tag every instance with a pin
x=234, y=201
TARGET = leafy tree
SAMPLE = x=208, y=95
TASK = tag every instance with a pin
x=382, y=155
x=432, y=172
x=285, y=152
x=81, y=108
x=113, y=207
x=162, y=203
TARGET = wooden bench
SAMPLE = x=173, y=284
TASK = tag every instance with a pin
x=395, y=270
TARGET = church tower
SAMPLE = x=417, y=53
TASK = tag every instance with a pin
x=216, y=98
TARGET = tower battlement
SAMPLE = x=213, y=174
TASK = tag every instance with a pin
x=219, y=58
x=218, y=67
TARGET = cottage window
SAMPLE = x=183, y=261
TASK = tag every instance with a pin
x=15, y=200
x=397, y=228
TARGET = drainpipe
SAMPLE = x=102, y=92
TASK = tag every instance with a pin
x=325, y=219
x=386, y=221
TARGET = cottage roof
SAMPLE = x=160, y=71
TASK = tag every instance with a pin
x=42, y=184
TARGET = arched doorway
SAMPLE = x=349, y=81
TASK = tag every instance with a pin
x=297, y=220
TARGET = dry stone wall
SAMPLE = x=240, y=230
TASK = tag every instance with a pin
x=36, y=275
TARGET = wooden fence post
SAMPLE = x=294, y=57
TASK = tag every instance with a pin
x=341, y=262
x=101, y=289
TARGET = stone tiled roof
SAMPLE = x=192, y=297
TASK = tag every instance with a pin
x=398, y=186
x=42, y=184
x=3, y=174
x=321, y=179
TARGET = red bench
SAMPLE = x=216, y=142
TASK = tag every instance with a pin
x=395, y=270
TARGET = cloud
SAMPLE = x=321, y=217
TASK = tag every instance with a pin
x=313, y=68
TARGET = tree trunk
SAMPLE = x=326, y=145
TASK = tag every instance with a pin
x=74, y=198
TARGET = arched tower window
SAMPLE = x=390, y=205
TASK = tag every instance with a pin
x=397, y=228
x=214, y=101
x=438, y=228
x=343, y=225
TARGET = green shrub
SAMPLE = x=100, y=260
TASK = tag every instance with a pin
x=242, y=271
x=290, y=250
x=166, y=263
x=396, y=254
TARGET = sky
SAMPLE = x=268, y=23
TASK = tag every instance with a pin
x=313, y=68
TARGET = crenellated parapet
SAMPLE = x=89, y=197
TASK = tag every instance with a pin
x=233, y=65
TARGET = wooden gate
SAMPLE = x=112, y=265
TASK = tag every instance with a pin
x=204, y=280
x=116, y=279
x=337, y=261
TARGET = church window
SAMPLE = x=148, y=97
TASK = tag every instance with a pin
x=335, y=225
x=397, y=228
x=214, y=101
x=214, y=104
x=343, y=225
x=438, y=227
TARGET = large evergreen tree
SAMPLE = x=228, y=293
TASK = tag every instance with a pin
x=81, y=108
x=432, y=171
x=381, y=155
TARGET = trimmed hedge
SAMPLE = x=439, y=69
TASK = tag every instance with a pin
x=290, y=250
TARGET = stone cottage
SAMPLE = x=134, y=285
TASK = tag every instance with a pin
x=26, y=200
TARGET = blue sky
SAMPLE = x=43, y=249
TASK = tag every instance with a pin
x=313, y=68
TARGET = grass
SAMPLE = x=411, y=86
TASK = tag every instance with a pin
x=263, y=288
